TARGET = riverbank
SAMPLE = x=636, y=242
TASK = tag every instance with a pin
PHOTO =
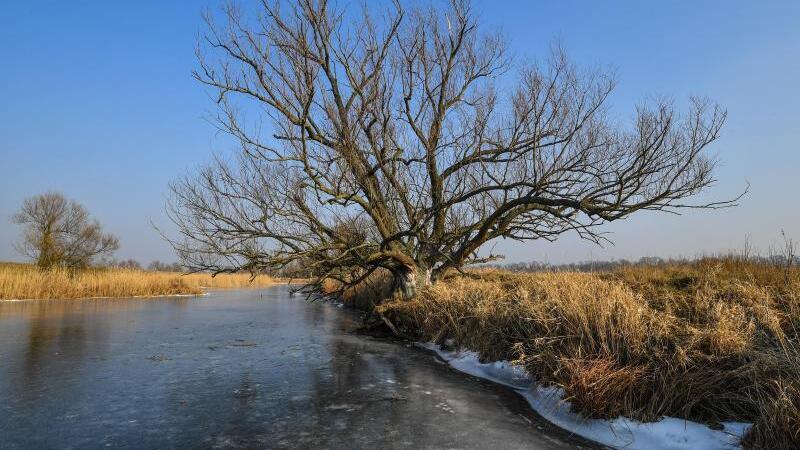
x=26, y=282
x=712, y=341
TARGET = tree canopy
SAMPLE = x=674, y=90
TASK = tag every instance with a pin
x=59, y=232
x=404, y=141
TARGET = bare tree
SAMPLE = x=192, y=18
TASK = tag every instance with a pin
x=158, y=266
x=405, y=142
x=129, y=264
x=59, y=232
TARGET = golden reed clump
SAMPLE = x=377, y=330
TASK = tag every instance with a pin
x=709, y=341
x=24, y=281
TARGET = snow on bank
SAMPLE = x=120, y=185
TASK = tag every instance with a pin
x=667, y=434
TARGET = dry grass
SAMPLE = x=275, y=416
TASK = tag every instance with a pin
x=23, y=281
x=364, y=296
x=711, y=341
x=777, y=426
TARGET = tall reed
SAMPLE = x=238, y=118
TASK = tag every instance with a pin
x=23, y=281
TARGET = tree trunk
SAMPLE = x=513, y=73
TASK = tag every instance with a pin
x=409, y=280
x=47, y=249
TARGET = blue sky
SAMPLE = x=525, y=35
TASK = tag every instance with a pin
x=97, y=101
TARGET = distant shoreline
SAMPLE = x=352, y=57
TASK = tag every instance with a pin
x=21, y=282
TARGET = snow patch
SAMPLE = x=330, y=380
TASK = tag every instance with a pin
x=669, y=433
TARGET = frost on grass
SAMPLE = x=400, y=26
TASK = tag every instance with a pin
x=667, y=434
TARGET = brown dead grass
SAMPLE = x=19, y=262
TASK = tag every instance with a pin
x=777, y=425
x=711, y=341
x=24, y=281
x=364, y=296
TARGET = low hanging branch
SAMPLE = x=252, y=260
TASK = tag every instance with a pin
x=391, y=148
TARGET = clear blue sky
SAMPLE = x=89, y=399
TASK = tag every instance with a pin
x=97, y=101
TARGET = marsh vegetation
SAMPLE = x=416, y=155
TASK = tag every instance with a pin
x=26, y=281
x=709, y=341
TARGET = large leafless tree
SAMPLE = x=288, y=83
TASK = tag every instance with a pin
x=406, y=140
x=59, y=232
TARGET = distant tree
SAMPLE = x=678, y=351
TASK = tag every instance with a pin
x=59, y=232
x=158, y=266
x=127, y=264
x=397, y=144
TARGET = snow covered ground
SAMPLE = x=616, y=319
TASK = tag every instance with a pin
x=667, y=434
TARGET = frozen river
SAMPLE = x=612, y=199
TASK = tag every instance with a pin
x=238, y=369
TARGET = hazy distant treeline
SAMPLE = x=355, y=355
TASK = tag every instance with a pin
x=655, y=261
x=155, y=266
